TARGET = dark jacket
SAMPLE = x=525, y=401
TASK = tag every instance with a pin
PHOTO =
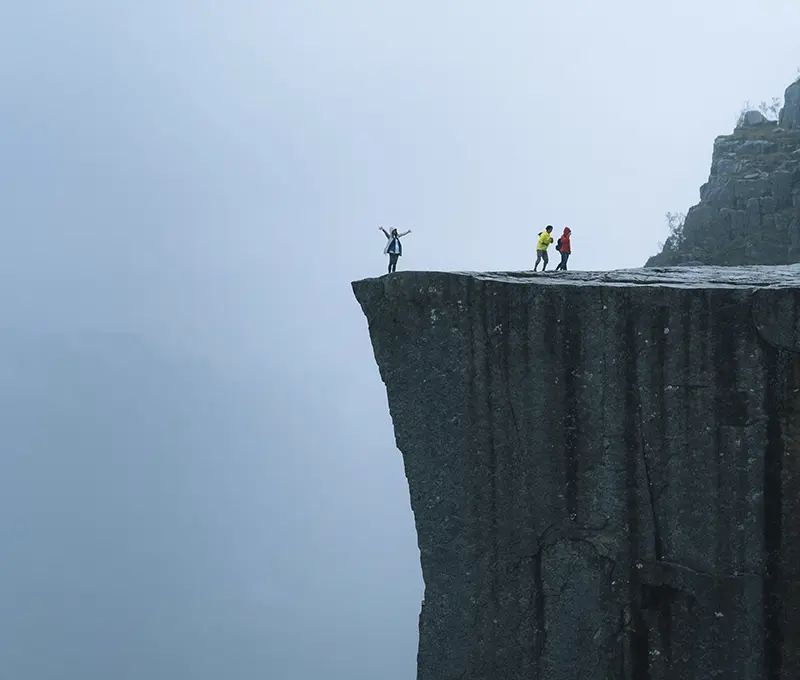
x=394, y=247
x=393, y=244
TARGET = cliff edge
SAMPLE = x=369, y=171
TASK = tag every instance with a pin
x=749, y=210
x=603, y=469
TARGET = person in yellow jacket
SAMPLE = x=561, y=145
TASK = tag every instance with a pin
x=541, y=247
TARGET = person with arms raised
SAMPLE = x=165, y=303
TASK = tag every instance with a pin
x=394, y=249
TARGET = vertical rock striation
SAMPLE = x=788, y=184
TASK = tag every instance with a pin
x=604, y=469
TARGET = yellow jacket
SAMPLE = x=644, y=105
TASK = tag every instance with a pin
x=544, y=240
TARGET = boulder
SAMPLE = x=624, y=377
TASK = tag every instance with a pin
x=751, y=119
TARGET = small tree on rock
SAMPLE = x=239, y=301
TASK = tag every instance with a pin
x=676, y=236
x=771, y=110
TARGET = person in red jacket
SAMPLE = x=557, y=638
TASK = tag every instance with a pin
x=564, y=247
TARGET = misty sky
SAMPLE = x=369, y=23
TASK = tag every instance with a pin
x=198, y=476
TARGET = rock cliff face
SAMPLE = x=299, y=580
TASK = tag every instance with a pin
x=790, y=114
x=749, y=210
x=604, y=469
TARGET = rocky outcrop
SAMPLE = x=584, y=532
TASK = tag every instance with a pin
x=749, y=210
x=790, y=114
x=604, y=469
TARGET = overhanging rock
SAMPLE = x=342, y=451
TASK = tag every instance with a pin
x=603, y=469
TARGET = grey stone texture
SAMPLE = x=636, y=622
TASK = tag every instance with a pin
x=604, y=469
x=790, y=114
x=749, y=209
x=753, y=118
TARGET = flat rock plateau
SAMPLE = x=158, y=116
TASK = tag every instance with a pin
x=603, y=469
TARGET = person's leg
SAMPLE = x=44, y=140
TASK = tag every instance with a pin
x=546, y=259
x=564, y=258
x=560, y=265
x=538, y=259
x=393, y=262
x=390, y=264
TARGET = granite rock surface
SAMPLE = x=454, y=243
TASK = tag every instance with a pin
x=604, y=469
x=749, y=209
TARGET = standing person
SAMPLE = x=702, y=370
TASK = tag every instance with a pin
x=541, y=247
x=565, y=248
x=394, y=249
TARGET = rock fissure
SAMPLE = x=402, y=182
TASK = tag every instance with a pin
x=773, y=609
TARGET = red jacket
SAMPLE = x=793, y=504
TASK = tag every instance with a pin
x=565, y=244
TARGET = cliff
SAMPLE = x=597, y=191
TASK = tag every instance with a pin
x=603, y=469
x=749, y=210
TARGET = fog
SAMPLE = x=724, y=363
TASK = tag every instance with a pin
x=198, y=476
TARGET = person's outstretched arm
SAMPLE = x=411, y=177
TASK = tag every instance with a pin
x=405, y=232
x=385, y=233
